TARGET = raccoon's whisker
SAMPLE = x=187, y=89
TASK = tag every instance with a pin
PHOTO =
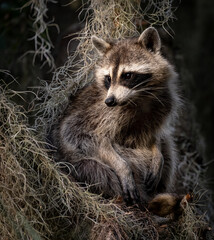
x=132, y=102
x=151, y=88
x=140, y=90
x=155, y=97
x=157, y=88
x=143, y=89
x=139, y=84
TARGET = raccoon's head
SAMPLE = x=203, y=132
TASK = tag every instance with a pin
x=133, y=69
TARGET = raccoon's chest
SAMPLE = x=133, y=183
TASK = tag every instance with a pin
x=135, y=135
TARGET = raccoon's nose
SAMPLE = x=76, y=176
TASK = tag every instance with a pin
x=111, y=101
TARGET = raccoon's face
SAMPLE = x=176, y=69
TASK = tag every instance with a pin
x=131, y=69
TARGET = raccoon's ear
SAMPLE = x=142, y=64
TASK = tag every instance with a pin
x=101, y=45
x=150, y=39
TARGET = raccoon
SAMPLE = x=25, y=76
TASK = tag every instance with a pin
x=115, y=132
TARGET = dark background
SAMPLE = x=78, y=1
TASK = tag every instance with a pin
x=192, y=47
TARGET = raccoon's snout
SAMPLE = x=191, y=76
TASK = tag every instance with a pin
x=111, y=101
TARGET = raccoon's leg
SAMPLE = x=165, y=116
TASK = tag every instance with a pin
x=147, y=165
x=108, y=154
x=155, y=171
x=170, y=165
x=100, y=177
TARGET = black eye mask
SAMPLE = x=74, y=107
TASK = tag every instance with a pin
x=107, y=81
x=132, y=80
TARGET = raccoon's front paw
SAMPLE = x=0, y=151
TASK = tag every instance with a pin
x=130, y=192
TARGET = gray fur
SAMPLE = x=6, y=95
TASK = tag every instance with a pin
x=126, y=149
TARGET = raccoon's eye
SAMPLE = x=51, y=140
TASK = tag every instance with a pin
x=107, y=81
x=108, y=78
x=127, y=75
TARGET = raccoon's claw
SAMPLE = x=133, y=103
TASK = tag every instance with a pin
x=130, y=195
x=131, y=198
